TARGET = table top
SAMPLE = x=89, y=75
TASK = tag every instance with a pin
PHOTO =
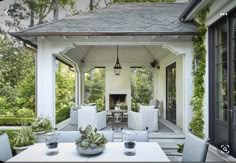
x=145, y=152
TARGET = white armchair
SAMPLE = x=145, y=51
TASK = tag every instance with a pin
x=88, y=115
x=146, y=117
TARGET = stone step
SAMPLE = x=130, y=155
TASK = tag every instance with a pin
x=156, y=135
x=168, y=141
x=168, y=146
x=167, y=135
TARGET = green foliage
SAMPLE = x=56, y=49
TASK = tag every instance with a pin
x=65, y=92
x=180, y=148
x=41, y=124
x=14, y=121
x=25, y=113
x=62, y=114
x=135, y=1
x=95, y=88
x=17, y=84
x=90, y=138
x=1, y=132
x=26, y=91
x=141, y=87
x=199, y=66
x=35, y=10
x=17, y=70
x=11, y=135
x=100, y=104
x=24, y=137
x=16, y=63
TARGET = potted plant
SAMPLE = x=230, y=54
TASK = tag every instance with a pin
x=90, y=142
x=40, y=126
x=23, y=139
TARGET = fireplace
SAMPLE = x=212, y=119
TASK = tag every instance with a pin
x=114, y=98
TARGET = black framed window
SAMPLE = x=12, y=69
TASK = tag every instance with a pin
x=222, y=71
x=222, y=82
x=171, y=93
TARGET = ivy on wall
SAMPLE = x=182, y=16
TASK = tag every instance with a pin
x=199, y=65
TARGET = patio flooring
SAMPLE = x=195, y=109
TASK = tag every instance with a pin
x=162, y=128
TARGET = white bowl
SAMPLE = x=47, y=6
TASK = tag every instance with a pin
x=89, y=151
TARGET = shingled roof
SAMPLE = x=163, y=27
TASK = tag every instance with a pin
x=120, y=19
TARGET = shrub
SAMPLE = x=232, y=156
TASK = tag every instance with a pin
x=14, y=121
x=100, y=105
x=25, y=113
x=42, y=124
x=24, y=137
x=62, y=114
x=9, y=114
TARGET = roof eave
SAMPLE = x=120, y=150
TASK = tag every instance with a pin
x=189, y=9
x=23, y=40
x=28, y=34
x=193, y=9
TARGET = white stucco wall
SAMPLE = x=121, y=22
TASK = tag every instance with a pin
x=118, y=84
x=161, y=86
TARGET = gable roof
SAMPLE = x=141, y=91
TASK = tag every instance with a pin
x=120, y=19
x=189, y=9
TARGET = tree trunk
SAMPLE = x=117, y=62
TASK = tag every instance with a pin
x=31, y=17
x=55, y=10
x=91, y=5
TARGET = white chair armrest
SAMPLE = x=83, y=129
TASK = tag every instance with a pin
x=134, y=120
x=101, y=119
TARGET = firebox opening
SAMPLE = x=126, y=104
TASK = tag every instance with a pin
x=115, y=99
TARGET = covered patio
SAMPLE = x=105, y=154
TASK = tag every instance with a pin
x=149, y=36
x=143, y=36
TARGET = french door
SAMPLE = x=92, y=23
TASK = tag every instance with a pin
x=222, y=83
x=171, y=93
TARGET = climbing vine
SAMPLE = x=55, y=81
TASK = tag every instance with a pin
x=199, y=65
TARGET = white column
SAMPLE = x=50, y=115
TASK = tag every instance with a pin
x=206, y=96
x=45, y=75
x=82, y=84
x=78, y=88
x=188, y=89
x=155, y=84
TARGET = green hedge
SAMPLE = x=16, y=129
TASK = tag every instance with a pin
x=14, y=121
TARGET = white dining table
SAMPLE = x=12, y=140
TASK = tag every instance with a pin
x=114, y=152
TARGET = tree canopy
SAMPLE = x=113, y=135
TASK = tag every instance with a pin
x=35, y=10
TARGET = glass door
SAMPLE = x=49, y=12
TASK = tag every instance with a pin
x=221, y=85
x=233, y=86
x=171, y=93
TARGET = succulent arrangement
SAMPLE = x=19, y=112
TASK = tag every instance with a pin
x=42, y=124
x=90, y=138
x=24, y=137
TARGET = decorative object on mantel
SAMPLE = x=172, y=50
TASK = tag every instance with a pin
x=121, y=106
x=40, y=126
x=117, y=67
x=90, y=142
